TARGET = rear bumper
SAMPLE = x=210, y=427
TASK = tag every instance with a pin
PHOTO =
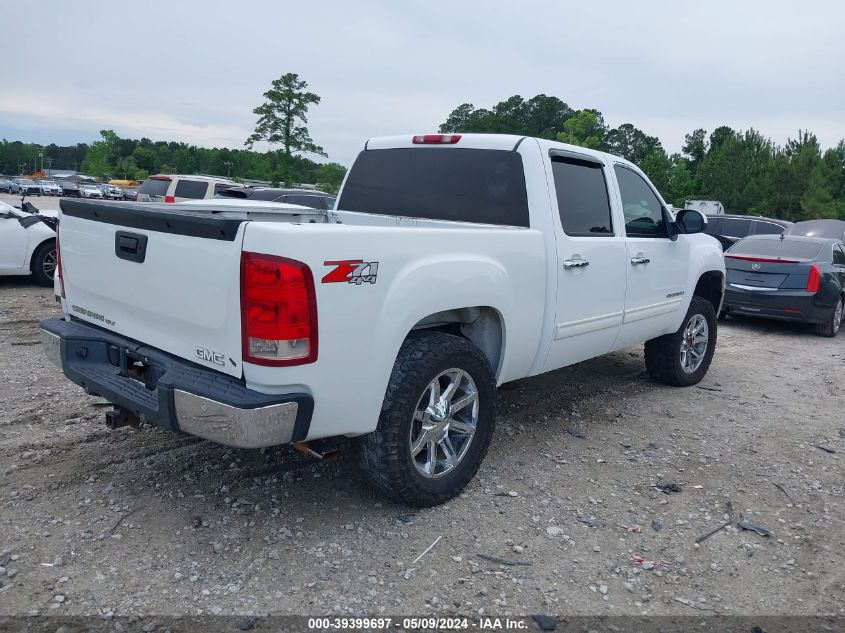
x=786, y=305
x=171, y=392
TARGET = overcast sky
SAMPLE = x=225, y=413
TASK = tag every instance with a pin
x=193, y=70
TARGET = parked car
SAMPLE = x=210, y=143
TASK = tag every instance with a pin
x=89, y=190
x=451, y=265
x=788, y=277
x=112, y=192
x=729, y=229
x=70, y=189
x=832, y=229
x=176, y=188
x=50, y=188
x=25, y=186
x=5, y=185
x=27, y=244
x=129, y=194
x=303, y=197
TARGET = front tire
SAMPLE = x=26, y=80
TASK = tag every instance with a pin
x=830, y=327
x=682, y=358
x=436, y=421
x=44, y=262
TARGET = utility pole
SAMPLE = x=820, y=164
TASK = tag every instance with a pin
x=228, y=164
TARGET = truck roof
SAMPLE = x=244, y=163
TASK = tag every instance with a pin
x=477, y=141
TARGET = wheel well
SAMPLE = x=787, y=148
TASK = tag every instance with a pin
x=481, y=325
x=710, y=287
x=51, y=240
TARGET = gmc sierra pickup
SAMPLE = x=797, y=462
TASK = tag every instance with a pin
x=453, y=264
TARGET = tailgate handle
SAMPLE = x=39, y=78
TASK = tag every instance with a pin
x=130, y=246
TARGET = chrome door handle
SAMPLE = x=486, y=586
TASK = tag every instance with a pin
x=636, y=261
x=575, y=263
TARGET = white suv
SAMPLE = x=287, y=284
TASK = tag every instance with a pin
x=176, y=188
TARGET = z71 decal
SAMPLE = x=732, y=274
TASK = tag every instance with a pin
x=351, y=271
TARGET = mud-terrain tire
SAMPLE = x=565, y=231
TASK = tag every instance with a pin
x=421, y=405
x=830, y=327
x=665, y=359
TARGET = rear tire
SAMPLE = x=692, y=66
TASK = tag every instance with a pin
x=682, y=358
x=418, y=409
x=830, y=327
x=44, y=263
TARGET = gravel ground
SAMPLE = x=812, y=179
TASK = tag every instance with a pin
x=139, y=522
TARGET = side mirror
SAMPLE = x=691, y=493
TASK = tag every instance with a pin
x=690, y=221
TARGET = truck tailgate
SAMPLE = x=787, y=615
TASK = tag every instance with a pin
x=166, y=277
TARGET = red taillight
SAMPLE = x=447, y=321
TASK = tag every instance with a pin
x=59, y=274
x=169, y=199
x=278, y=311
x=767, y=260
x=814, y=280
x=436, y=139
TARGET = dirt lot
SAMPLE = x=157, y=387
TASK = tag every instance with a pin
x=146, y=522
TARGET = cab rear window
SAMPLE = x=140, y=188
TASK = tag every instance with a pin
x=437, y=183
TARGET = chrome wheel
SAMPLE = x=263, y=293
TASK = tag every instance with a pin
x=694, y=343
x=49, y=264
x=837, y=316
x=444, y=423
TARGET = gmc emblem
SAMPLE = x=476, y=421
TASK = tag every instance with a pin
x=210, y=356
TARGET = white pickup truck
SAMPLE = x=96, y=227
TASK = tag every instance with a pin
x=453, y=264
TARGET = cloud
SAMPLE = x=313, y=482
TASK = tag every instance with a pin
x=194, y=70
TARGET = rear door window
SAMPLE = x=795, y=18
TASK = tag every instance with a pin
x=439, y=183
x=767, y=228
x=839, y=255
x=155, y=187
x=736, y=227
x=582, y=199
x=193, y=189
x=305, y=201
x=714, y=225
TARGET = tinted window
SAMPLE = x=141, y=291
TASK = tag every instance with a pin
x=154, y=187
x=266, y=195
x=464, y=185
x=767, y=228
x=786, y=248
x=714, y=225
x=736, y=227
x=838, y=255
x=642, y=209
x=195, y=189
x=306, y=201
x=221, y=187
x=582, y=197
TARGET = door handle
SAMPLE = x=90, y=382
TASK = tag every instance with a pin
x=575, y=263
x=636, y=261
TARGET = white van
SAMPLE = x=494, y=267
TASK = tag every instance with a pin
x=178, y=188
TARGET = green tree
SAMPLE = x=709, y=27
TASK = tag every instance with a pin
x=330, y=176
x=695, y=146
x=585, y=128
x=631, y=143
x=282, y=118
x=98, y=159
